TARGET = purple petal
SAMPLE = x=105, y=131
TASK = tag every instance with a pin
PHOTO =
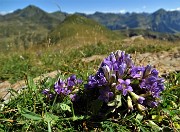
x=141, y=99
x=129, y=88
x=45, y=91
x=119, y=87
x=73, y=77
x=125, y=92
x=154, y=72
x=121, y=81
x=128, y=81
x=111, y=94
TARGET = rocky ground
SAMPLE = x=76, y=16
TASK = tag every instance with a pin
x=164, y=61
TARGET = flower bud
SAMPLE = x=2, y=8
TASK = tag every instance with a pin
x=112, y=78
x=112, y=57
x=129, y=103
x=118, y=54
x=113, y=85
x=106, y=71
x=147, y=71
x=136, y=97
x=141, y=107
x=45, y=91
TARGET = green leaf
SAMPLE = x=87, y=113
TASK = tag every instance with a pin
x=158, y=118
x=142, y=129
x=74, y=118
x=112, y=103
x=139, y=117
x=49, y=127
x=78, y=118
x=65, y=107
x=1, y=130
x=118, y=99
x=48, y=117
x=154, y=126
x=31, y=84
x=28, y=114
x=116, y=102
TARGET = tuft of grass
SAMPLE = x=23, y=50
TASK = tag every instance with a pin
x=39, y=59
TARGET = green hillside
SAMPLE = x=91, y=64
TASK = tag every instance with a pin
x=32, y=26
x=79, y=30
x=25, y=27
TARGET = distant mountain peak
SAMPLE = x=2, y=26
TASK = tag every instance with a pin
x=31, y=11
x=32, y=8
x=160, y=11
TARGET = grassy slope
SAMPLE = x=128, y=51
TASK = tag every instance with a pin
x=77, y=31
x=37, y=60
x=77, y=37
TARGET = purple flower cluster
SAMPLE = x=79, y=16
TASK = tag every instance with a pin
x=139, y=85
x=66, y=87
x=116, y=80
x=149, y=83
x=112, y=68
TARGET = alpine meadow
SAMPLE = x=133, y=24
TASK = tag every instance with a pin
x=89, y=72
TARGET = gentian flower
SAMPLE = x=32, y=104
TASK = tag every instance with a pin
x=96, y=81
x=65, y=87
x=137, y=72
x=92, y=82
x=154, y=73
x=59, y=86
x=140, y=85
x=101, y=79
x=153, y=85
x=124, y=86
x=72, y=81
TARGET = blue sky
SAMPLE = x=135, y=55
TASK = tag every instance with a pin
x=91, y=6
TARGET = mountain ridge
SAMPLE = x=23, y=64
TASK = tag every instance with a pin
x=159, y=21
x=32, y=25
